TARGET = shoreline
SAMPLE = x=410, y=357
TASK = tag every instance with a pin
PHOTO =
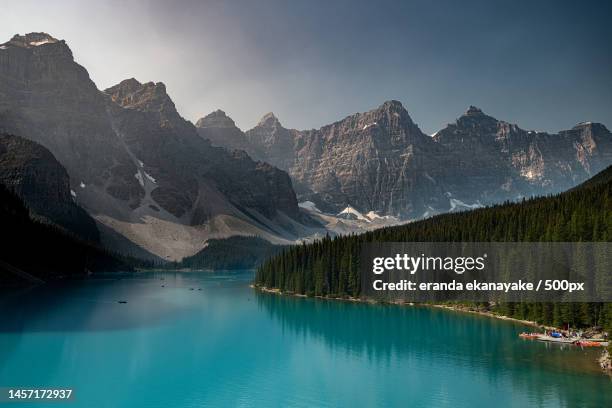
x=604, y=361
x=454, y=308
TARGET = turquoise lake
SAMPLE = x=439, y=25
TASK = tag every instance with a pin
x=209, y=340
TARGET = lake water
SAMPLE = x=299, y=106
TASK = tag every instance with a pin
x=224, y=344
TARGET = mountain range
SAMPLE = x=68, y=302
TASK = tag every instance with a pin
x=381, y=161
x=134, y=163
x=122, y=167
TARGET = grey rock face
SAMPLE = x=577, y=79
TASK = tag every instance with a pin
x=216, y=119
x=502, y=161
x=180, y=161
x=145, y=118
x=221, y=131
x=378, y=160
x=270, y=141
x=31, y=172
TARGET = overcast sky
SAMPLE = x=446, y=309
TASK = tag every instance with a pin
x=545, y=65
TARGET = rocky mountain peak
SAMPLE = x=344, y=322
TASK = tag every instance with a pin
x=392, y=105
x=31, y=40
x=391, y=109
x=220, y=130
x=271, y=142
x=474, y=111
x=475, y=118
x=129, y=85
x=150, y=96
x=37, y=44
x=217, y=119
x=593, y=126
x=269, y=120
x=390, y=115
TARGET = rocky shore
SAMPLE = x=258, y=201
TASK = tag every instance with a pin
x=605, y=361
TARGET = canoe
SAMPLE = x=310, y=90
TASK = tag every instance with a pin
x=587, y=343
x=529, y=335
x=551, y=339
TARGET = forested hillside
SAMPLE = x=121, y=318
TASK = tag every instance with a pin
x=330, y=267
x=34, y=251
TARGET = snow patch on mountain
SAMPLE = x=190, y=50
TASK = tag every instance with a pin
x=373, y=216
x=350, y=212
x=369, y=125
x=139, y=178
x=458, y=204
x=37, y=43
x=150, y=177
x=309, y=205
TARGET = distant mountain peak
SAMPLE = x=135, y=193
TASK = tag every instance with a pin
x=31, y=40
x=391, y=111
x=132, y=94
x=475, y=118
x=392, y=104
x=393, y=107
x=592, y=125
x=217, y=119
x=130, y=84
x=474, y=111
x=269, y=120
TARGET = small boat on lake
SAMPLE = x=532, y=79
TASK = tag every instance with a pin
x=590, y=343
x=555, y=339
x=529, y=336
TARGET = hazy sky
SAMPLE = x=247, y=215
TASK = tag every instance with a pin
x=545, y=65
